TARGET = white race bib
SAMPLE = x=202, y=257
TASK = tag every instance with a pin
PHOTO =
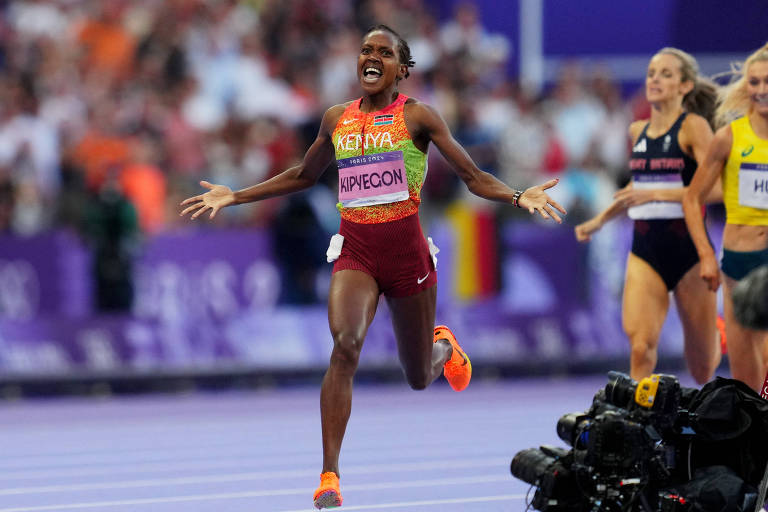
x=656, y=209
x=372, y=179
x=753, y=185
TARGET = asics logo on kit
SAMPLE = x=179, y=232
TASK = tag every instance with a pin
x=421, y=279
x=748, y=150
x=640, y=147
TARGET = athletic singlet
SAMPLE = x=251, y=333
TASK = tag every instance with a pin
x=745, y=177
x=660, y=236
x=381, y=171
x=659, y=163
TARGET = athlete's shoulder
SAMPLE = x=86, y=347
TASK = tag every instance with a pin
x=635, y=128
x=417, y=109
x=333, y=114
x=338, y=110
x=695, y=121
x=725, y=132
x=720, y=147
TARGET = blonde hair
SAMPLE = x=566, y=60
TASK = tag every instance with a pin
x=734, y=99
x=702, y=99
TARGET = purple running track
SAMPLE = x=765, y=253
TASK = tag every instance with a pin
x=244, y=451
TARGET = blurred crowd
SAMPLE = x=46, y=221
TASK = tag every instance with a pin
x=117, y=108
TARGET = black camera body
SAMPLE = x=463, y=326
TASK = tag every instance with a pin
x=629, y=451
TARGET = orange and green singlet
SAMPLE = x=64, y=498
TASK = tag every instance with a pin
x=381, y=171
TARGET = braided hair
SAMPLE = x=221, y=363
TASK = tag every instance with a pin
x=404, y=51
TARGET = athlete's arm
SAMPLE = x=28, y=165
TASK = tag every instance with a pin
x=426, y=125
x=585, y=230
x=316, y=160
x=619, y=205
x=697, y=130
x=703, y=182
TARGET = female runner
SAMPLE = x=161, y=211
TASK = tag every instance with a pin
x=739, y=155
x=379, y=144
x=663, y=258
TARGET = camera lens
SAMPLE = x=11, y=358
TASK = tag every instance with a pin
x=620, y=391
x=566, y=426
x=529, y=465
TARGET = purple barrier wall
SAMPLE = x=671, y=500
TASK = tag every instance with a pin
x=207, y=301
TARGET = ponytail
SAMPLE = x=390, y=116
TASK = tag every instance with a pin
x=702, y=99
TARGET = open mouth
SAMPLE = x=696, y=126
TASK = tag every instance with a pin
x=371, y=74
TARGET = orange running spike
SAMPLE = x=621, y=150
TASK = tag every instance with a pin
x=458, y=369
x=720, y=324
x=328, y=494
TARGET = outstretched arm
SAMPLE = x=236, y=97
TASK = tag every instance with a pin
x=316, y=160
x=704, y=180
x=429, y=125
x=585, y=230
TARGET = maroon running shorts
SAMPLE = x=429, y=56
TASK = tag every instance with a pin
x=394, y=253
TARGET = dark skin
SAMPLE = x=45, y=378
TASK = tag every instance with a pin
x=354, y=295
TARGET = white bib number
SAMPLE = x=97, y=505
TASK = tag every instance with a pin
x=753, y=185
x=656, y=209
x=372, y=179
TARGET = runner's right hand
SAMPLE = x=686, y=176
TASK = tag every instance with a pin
x=217, y=197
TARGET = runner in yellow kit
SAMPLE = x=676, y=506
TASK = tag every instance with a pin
x=738, y=152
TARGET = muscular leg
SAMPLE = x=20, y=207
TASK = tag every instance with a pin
x=745, y=346
x=352, y=302
x=413, y=319
x=644, y=309
x=697, y=306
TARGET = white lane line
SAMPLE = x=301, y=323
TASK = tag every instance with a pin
x=256, y=494
x=255, y=475
x=108, y=459
x=403, y=504
x=234, y=463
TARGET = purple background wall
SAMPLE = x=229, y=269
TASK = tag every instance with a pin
x=207, y=301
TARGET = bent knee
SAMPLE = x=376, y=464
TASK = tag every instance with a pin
x=642, y=343
x=418, y=384
x=418, y=380
x=346, y=349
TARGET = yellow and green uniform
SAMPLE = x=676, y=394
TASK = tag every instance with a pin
x=745, y=177
x=381, y=171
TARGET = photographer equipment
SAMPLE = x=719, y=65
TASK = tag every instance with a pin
x=750, y=305
x=654, y=446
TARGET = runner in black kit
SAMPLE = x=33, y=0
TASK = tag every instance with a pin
x=663, y=258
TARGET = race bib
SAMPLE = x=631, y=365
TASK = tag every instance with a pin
x=656, y=209
x=753, y=185
x=372, y=179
